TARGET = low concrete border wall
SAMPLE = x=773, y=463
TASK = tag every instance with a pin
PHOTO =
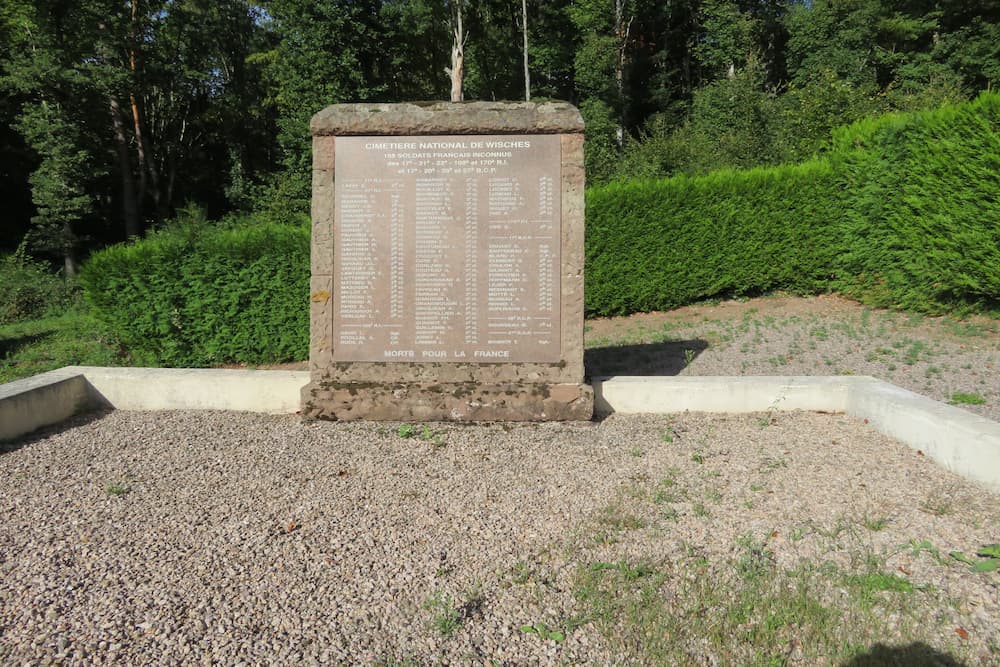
x=273, y=392
x=962, y=442
x=42, y=400
x=638, y=394
x=49, y=398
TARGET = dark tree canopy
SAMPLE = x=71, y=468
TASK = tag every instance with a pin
x=117, y=114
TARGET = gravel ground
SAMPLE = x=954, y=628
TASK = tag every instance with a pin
x=825, y=335
x=181, y=537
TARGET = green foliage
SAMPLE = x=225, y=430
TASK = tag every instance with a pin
x=72, y=338
x=966, y=398
x=734, y=124
x=655, y=245
x=903, y=214
x=601, y=152
x=58, y=185
x=922, y=228
x=197, y=295
x=30, y=290
x=813, y=109
x=544, y=632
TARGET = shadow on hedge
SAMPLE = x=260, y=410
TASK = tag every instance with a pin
x=666, y=358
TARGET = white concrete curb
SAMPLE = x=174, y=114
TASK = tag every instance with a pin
x=49, y=398
x=962, y=442
x=664, y=394
x=195, y=388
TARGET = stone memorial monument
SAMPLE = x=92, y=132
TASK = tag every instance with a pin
x=447, y=263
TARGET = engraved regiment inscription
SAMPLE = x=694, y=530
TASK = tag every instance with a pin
x=447, y=248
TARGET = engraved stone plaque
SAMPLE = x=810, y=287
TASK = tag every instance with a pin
x=447, y=262
x=447, y=249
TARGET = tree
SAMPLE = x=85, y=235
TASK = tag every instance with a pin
x=58, y=185
x=458, y=39
x=47, y=71
x=527, y=73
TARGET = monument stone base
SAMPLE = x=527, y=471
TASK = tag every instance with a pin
x=454, y=401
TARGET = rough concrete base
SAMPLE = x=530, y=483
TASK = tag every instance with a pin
x=463, y=401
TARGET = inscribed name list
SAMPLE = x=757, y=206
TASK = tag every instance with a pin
x=447, y=249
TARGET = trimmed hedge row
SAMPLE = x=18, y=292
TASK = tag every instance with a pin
x=201, y=296
x=656, y=245
x=905, y=212
x=922, y=228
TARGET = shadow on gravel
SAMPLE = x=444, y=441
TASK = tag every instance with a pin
x=667, y=358
x=81, y=419
x=916, y=654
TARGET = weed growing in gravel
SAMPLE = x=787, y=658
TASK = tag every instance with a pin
x=875, y=524
x=521, y=572
x=667, y=433
x=917, y=547
x=989, y=561
x=615, y=517
x=116, y=489
x=756, y=560
x=394, y=662
x=744, y=610
x=868, y=585
x=669, y=513
x=543, y=631
x=971, y=329
x=667, y=490
x=423, y=433
x=771, y=463
x=963, y=398
x=913, y=353
x=819, y=333
x=938, y=502
x=768, y=418
x=446, y=616
x=840, y=526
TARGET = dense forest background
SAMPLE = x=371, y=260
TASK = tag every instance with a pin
x=117, y=116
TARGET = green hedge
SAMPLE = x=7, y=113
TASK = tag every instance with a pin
x=198, y=296
x=656, y=245
x=905, y=212
x=922, y=231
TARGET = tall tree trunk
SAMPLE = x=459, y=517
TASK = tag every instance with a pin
x=527, y=74
x=144, y=154
x=622, y=30
x=457, y=70
x=133, y=228
x=69, y=252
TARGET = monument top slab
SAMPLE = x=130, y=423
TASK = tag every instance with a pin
x=448, y=118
